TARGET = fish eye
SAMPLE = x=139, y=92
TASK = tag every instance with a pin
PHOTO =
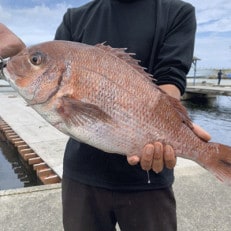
x=36, y=59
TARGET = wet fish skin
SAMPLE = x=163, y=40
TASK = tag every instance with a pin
x=101, y=96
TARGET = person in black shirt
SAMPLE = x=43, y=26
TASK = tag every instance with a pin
x=219, y=75
x=99, y=189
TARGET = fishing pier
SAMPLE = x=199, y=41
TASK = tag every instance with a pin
x=205, y=89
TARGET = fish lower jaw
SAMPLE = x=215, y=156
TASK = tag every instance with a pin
x=6, y=76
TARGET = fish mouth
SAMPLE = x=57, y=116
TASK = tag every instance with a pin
x=5, y=75
x=3, y=64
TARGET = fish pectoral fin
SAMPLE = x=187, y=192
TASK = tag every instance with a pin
x=77, y=113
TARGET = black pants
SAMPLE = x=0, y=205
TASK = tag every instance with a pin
x=219, y=81
x=87, y=208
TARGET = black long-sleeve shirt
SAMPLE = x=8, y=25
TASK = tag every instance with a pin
x=161, y=34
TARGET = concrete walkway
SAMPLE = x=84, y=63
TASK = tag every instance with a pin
x=203, y=203
x=45, y=140
x=31, y=209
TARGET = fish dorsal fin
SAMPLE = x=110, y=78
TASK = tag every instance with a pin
x=126, y=57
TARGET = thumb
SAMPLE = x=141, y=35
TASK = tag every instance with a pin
x=200, y=132
x=133, y=160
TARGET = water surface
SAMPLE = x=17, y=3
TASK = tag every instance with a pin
x=13, y=174
x=214, y=116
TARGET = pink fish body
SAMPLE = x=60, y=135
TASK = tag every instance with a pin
x=101, y=96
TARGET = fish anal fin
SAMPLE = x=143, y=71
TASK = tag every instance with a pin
x=77, y=113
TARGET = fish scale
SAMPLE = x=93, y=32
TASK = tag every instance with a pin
x=100, y=96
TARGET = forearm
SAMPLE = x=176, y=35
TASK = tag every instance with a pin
x=171, y=90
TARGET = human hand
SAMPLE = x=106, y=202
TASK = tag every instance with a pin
x=10, y=44
x=156, y=155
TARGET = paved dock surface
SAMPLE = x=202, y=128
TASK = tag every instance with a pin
x=203, y=203
x=31, y=209
x=45, y=140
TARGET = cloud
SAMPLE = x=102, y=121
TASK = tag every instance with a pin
x=213, y=33
x=35, y=24
x=214, y=51
x=212, y=15
x=36, y=21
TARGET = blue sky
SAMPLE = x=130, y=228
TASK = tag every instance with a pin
x=35, y=21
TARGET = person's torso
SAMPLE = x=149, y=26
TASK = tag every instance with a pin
x=129, y=25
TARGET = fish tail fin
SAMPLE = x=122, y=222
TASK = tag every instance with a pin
x=220, y=163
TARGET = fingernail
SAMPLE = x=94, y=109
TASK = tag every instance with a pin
x=149, y=150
